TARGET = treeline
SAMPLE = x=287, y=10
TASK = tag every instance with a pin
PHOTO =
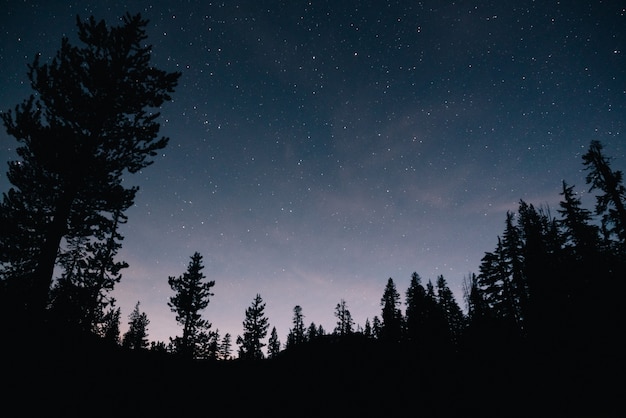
x=552, y=287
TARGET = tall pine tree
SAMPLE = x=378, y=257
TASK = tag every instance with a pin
x=391, y=328
x=255, y=327
x=90, y=121
x=192, y=295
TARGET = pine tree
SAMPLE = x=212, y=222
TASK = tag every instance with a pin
x=311, y=332
x=415, y=309
x=136, y=338
x=80, y=296
x=191, y=296
x=611, y=204
x=495, y=282
x=376, y=327
x=273, y=345
x=345, y=323
x=577, y=230
x=367, y=329
x=255, y=328
x=296, y=334
x=452, y=313
x=88, y=124
x=391, y=329
x=110, y=327
x=225, y=347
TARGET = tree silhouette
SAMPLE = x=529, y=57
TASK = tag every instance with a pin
x=296, y=334
x=391, y=329
x=225, y=347
x=611, y=204
x=273, y=345
x=191, y=296
x=110, y=327
x=88, y=124
x=452, y=314
x=136, y=338
x=416, y=315
x=345, y=323
x=80, y=297
x=577, y=231
x=254, y=331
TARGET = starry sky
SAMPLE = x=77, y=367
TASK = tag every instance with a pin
x=318, y=148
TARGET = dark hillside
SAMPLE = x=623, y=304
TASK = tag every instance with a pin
x=327, y=377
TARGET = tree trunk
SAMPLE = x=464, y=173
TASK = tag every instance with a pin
x=44, y=271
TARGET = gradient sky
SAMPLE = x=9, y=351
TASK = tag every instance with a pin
x=318, y=148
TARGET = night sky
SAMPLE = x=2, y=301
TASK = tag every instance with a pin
x=318, y=148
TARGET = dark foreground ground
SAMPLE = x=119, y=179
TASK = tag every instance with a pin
x=330, y=378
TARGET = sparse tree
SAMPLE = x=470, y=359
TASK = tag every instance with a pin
x=136, y=338
x=225, y=347
x=191, y=296
x=345, y=323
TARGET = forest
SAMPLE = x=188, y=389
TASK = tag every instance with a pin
x=539, y=333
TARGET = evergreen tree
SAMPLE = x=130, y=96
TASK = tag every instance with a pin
x=136, y=338
x=273, y=345
x=391, y=329
x=477, y=308
x=577, y=230
x=495, y=282
x=345, y=323
x=110, y=327
x=254, y=330
x=296, y=334
x=191, y=296
x=87, y=126
x=415, y=309
x=225, y=347
x=611, y=204
x=311, y=332
x=452, y=313
x=367, y=329
x=80, y=296
x=211, y=349
x=376, y=327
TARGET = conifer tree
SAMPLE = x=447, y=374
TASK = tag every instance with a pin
x=192, y=295
x=110, y=327
x=415, y=309
x=611, y=204
x=452, y=313
x=311, y=332
x=296, y=334
x=391, y=327
x=273, y=345
x=345, y=323
x=89, y=123
x=376, y=327
x=255, y=328
x=577, y=230
x=136, y=338
x=225, y=347
x=367, y=329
